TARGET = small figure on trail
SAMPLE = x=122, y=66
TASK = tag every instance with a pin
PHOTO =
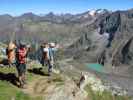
x=79, y=84
x=21, y=54
x=82, y=79
x=48, y=55
x=10, y=51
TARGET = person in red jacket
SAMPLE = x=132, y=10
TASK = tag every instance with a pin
x=21, y=63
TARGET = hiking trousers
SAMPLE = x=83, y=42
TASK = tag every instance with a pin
x=21, y=67
x=50, y=64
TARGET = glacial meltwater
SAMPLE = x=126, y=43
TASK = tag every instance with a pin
x=95, y=66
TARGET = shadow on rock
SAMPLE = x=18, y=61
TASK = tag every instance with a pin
x=10, y=77
x=37, y=71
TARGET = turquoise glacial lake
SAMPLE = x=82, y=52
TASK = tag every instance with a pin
x=95, y=67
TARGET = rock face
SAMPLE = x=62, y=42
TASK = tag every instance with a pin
x=108, y=40
x=119, y=26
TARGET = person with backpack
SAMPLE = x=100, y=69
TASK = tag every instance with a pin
x=21, y=54
x=41, y=58
x=10, y=51
x=48, y=56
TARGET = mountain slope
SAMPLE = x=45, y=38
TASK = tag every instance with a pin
x=61, y=28
x=109, y=39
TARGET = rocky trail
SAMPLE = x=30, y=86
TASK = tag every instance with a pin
x=55, y=88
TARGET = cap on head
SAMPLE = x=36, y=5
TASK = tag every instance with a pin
x=52, y=44
x=22, y=44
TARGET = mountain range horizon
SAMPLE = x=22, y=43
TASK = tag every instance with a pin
x=64, y=13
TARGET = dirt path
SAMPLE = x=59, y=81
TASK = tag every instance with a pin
x=54, y=88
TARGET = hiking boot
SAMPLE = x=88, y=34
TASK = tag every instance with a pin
x=49, y=70
x=24, y=82
x=21, y=84
x=24, y=86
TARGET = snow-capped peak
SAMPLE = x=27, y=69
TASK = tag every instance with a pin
x=98, y=11
x=92, y=12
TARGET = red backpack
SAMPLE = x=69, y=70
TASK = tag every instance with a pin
x=22, y=55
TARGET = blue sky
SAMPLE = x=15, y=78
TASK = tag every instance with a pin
x=18, y=7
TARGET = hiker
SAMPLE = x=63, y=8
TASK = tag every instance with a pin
x=10, y=51
x=42, y=60
x=48, y=55
x=21, y=54
x=82, y=79
x=52, y=49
